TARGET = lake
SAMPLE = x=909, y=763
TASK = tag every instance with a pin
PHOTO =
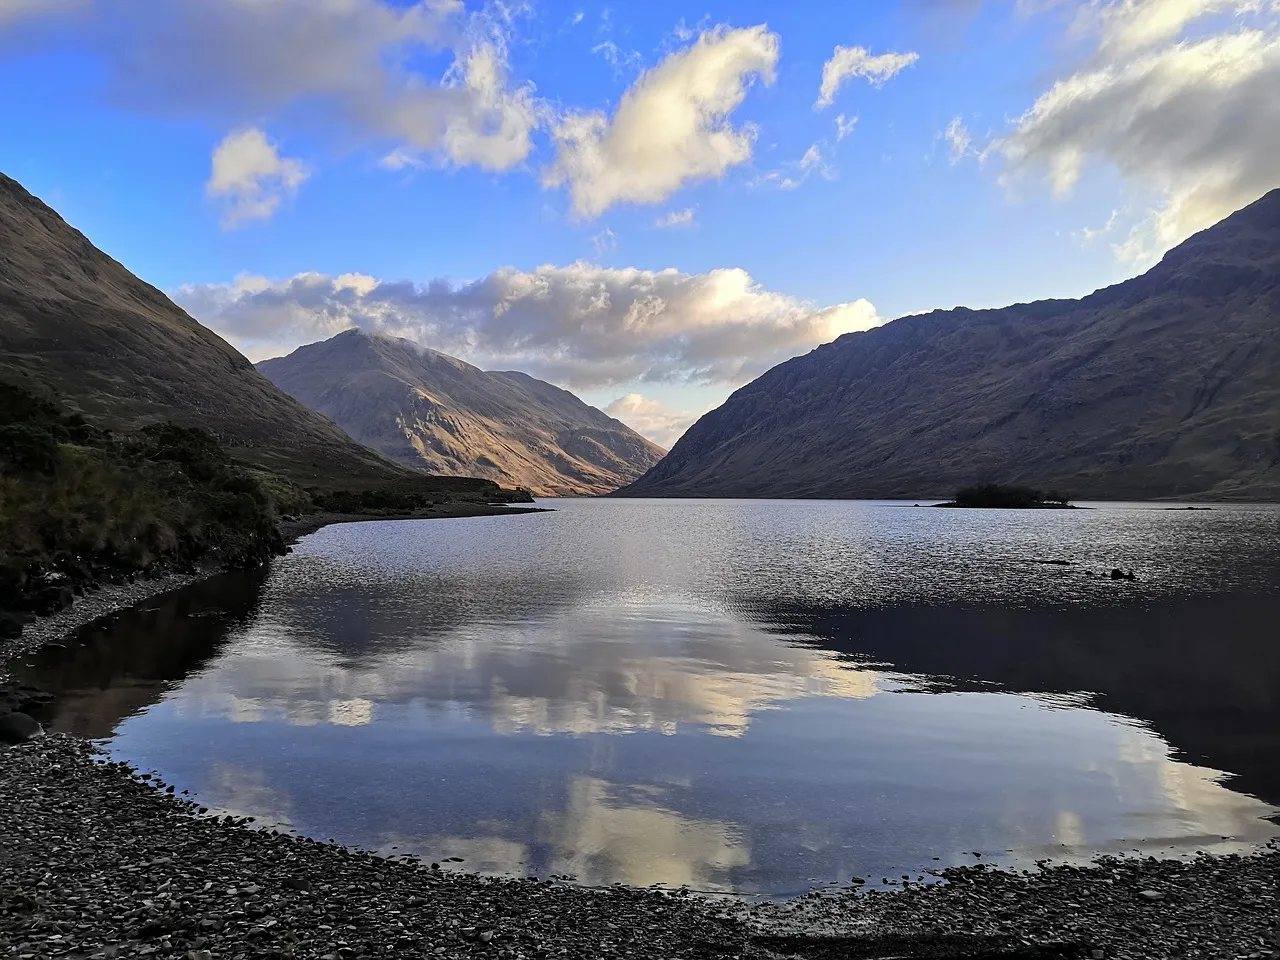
x=750, y=697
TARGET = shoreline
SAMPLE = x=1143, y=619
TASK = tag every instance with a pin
x=100, y=861
x=108, y=599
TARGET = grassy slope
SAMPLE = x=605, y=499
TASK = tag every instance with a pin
x=76, y=498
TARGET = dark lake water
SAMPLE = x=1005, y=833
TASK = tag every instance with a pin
x=754, y=697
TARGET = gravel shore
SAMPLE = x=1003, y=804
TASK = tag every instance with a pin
x=107, y=599
x=97, y=861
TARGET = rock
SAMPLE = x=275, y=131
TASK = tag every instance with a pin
x=10, y=626
x=1117, y=573
x=1152, y=894
x=18, y=728
x=54, y=598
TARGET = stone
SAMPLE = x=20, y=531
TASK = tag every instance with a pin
x=10, y=626
x=18, y=728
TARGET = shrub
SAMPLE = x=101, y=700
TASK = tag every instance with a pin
x=998, y=495
x=72, y=494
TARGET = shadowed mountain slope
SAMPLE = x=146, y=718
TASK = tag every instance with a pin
x=428, y=410
x=1167, y=385
x=78, y=327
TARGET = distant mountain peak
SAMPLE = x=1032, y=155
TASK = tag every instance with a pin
x=429, y=410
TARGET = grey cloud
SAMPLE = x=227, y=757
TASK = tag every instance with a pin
x=1197, y=121
x=581, y=325
x=238, y=63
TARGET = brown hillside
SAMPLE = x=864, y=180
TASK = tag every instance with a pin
x=430, y=411
x=77, y=326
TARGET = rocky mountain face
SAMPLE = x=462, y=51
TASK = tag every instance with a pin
x=428, y=410
x=1164, y=386
x=78, y=328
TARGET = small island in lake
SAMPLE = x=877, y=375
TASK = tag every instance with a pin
x=999, y=495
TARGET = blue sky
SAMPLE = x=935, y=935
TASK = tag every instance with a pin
x=645, y=203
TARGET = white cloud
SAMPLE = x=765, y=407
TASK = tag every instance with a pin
x=793, y=173
x=581, y=325
x=1197, y=121
x=400, y=159
x=676, y=218
x=671, y=127
x=849, y=62
x=1130, y=26
x=1089, y=234
x=494, y=131
x=424, y=76
x=621, y=60
x=251, y=177
x=959, y=140
x=651, y=418
x=606, y=241
x=845, y=126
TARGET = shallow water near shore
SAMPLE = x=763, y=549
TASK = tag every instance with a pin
x=750, y=697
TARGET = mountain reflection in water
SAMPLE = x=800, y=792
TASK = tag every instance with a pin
x=736, y=696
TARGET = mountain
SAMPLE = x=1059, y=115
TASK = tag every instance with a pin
x=1167, y=385
x=431, y=411
x=78, y=327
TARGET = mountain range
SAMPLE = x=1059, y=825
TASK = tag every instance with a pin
x=1164, y=386
x=433, y=412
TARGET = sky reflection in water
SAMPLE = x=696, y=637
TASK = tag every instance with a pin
x=754, y=697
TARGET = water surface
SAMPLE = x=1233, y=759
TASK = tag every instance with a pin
x=744, y=696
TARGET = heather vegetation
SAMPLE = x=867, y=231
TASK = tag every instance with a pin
x=78, y=501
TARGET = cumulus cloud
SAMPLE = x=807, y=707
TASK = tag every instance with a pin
x=845, y=126
x=581, y=325
x=675, y=218
x=1197, y=120
x=849, y=62
x=251, y=177
x=425, y=76
x=671, y=127
x=652, y=418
